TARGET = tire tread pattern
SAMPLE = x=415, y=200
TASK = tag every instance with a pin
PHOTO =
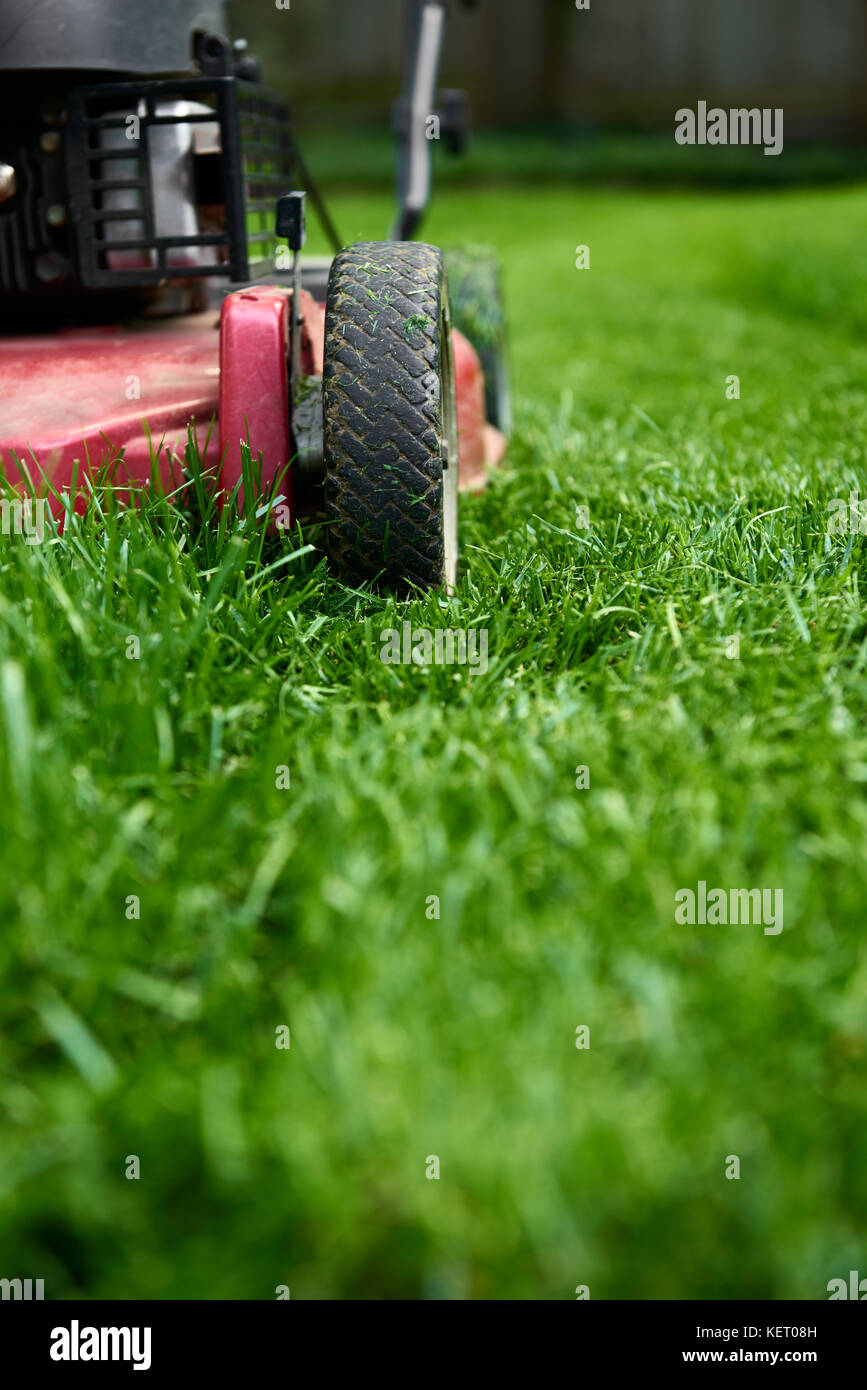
x=383, y=413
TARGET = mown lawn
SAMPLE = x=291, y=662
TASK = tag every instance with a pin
x=410, y=1037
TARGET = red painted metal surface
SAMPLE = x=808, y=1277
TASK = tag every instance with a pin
x=73, y=401
x=254, y=404
x=312, y=334
x=480, y=445
x=254, y=388
x=76, y=401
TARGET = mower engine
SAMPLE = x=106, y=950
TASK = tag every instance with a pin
x=117, y=181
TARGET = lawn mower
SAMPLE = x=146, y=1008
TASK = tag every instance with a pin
x=152, y=223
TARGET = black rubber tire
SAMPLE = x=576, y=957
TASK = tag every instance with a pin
x=476, y=291
x=390, y=426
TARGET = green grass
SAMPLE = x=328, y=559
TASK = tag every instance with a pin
x=305, y=906
x=544, y=155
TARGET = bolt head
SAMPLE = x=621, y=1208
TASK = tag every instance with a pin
x=51, y=267
x=7, y=182
x=49, y=142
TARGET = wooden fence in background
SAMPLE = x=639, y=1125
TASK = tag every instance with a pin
x=621, y=61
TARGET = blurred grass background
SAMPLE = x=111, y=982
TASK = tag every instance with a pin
x=573, y=157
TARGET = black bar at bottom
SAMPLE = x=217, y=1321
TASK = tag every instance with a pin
x=83, y=1339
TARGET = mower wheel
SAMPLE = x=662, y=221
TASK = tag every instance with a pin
x=390, y=420
x=476, y=294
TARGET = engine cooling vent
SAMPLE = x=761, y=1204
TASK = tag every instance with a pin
x=176, y=178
